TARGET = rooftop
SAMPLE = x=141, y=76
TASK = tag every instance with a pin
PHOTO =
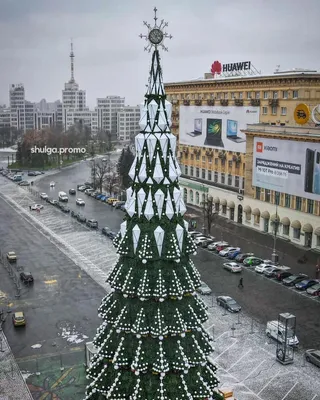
x=283, y=130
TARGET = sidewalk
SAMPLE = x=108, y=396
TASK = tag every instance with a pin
x=12, y=383
x=260, y=243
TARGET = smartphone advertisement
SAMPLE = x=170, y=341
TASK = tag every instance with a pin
x=218, y=127
x=287, y=166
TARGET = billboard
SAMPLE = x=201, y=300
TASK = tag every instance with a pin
x=287, y=166
x=218, y=127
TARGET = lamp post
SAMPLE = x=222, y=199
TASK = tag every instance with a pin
x=274, y=256
x=204, y=203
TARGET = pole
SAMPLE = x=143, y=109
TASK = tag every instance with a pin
x=274, y=256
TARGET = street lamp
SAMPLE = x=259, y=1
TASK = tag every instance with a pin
x=274, y=256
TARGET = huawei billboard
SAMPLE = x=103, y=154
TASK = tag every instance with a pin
x=217, y=127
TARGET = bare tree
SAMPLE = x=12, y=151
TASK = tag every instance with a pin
x=111, y=181
x=99, y=173
x=209, y=212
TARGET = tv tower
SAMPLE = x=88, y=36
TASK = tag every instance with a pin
x=72, y=62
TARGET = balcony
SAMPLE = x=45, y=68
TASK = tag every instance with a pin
x=274, y=102
x=238, y=102
x=210, y=102
x=255, y=102
x=186, y=102
x=198, y=102
x=210, y=183
x=224, y=102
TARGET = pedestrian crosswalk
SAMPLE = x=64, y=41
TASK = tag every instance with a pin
x=92, y=251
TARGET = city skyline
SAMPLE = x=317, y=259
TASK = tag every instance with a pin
x=266, y=35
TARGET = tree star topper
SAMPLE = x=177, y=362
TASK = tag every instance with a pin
x=156, y=34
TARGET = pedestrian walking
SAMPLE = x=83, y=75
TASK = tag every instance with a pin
x=30, y=208
x=38, y=209
x=317, y=271
x=240, y=283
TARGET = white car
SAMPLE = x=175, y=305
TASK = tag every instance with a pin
x=213, y=245
x=37, y=207
x=227, y=250
x=262, y=267
x=89, y=191
x=232, y=267
x=43, y=196
x=80, y=202
x=199, y=239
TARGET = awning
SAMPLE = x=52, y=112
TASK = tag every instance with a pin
x=231, y=204
x=256, y=211
x=223, y=202
x=265, y=215
x=317, y=231
x=216, y=200
x=275, y=218
x=247, y=209
x=285, y=221
x=296, y=224
x=308, y=228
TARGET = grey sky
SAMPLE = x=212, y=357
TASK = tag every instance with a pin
x=35, y=41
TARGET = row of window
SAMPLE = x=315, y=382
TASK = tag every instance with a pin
x=287, y=200
x=225, y=179
x=275, y=94
x=274, y=110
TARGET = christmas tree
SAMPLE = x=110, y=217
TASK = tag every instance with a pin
x=151, y=344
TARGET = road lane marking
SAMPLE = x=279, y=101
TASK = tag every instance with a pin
x=244, y=355
x=290, y=391
x=268, y=383
x=225, y=350
x=253, y=371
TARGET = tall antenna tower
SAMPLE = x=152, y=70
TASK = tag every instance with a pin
x=72, y=62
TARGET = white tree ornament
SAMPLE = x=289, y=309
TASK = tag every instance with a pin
x=159, y=236
x=132, y=172
x=172, y=170
x=143, y=170
x=164, y=144
x=159, y=199
x=178, y=169
x=139, y=140
x=135, y=236
x=182, y=207
x=173, y=142
x=180, y=233
x=148, y=212
x=151, y=144
x=131, y=206
x=158, y=174
x=168, y=106
x=169, y=207
x=166, y=181
x=186, y=225
x=123, y=228
x=143, y=116
x=152, y=108
x=176, y=195
x=141, y=197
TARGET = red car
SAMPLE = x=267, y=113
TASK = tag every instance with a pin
x=219, y=248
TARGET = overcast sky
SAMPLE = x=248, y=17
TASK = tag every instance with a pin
x=109, y=56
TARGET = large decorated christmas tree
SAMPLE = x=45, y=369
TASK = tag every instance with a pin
x=152, y=345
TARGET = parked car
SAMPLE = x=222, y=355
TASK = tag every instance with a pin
x=111, y=235
x=81, y=218
x=225, y=252
x=98, y=196
x=37, y=207
x=18, y=318
x=123, y=208
x=74, y=214
x=31, y=173
x=103, y=198
x=193, y=234
x=228, y=303
x=11, y=256
x=314, y=290
x=205, y=243
x=43, y=196
x=313, y=356
x=277, y=331
x=65, y=209
x=199, y=239
x=233, y=254
x=111, y=200
x=306, y=283
x=242, y=256
x=105, y=230
x=273, y=270
x=220, y=247
x=118, y=204
x=54, y=202
x=282, y=275
x=88, y=191
x=92, y=223
x=93, y=194
x=82, y=188
x=262, y=267
x=26, y=277
x=24, y=183
x=254, y=261
x=214, y=245
x=232, y=267
x=72, y=191
x=293, y=279
x=204, y=289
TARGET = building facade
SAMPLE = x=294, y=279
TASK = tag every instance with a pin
x=17, y=107
x=210, y=117
x=107, y=110
x=128, y=123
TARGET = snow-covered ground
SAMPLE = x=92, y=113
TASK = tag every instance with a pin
x=244, y=355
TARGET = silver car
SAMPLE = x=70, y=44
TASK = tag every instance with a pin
x=232, y=267
x=313, y=356
x=204, y=289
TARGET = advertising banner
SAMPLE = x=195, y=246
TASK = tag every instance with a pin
x=287, y=166
x=217, y=127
